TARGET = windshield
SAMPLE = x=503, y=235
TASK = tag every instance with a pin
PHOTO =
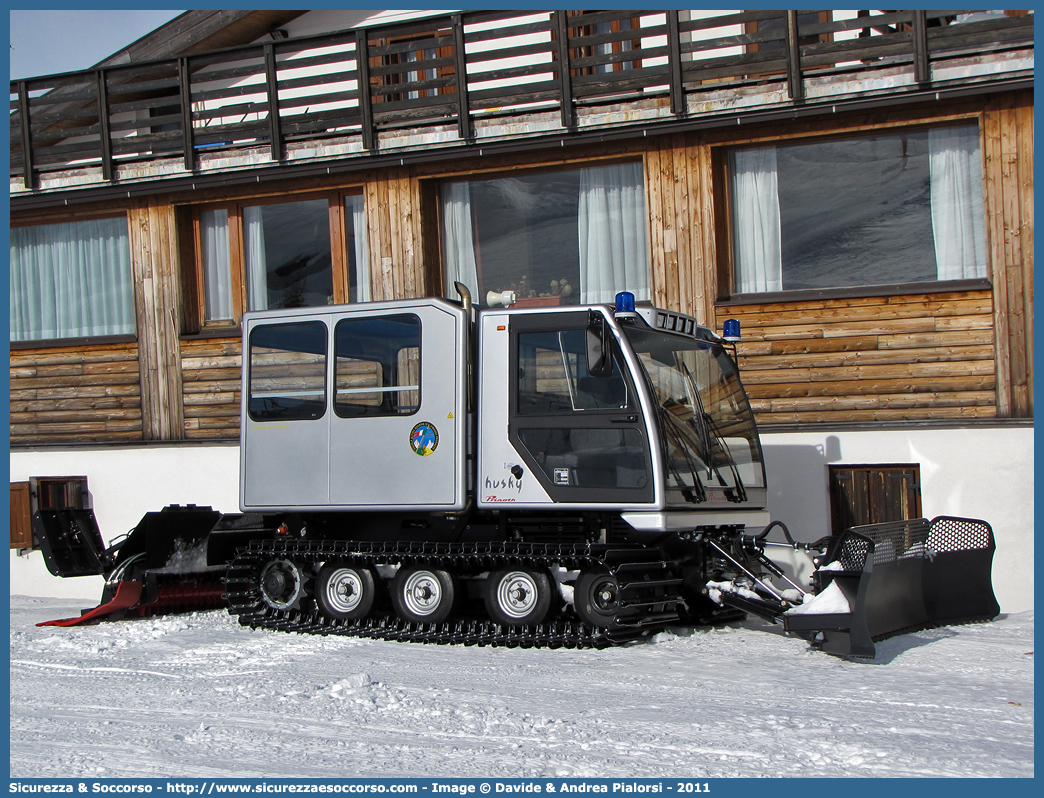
x=711, y=444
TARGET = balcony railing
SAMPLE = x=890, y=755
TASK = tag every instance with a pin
x=460, y=69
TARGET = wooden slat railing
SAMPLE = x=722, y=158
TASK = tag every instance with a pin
x=455, y=69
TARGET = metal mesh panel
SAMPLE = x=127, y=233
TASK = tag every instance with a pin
x=959, y=534
x=852, y=552
x=898, y=540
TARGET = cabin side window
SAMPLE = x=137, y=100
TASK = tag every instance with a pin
x=578, y=432
x=288, y=371
x=891, y=208
x=377, y=366
x=553, y=376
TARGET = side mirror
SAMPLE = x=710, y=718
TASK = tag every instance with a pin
x=599, y=352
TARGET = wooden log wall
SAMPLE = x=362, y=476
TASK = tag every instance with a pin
x=211, y=387
x=75, y=393
x=915, y=357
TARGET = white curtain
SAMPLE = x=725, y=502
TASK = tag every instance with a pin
x=356, y=209
x=217, y=264
x=458, y=239
x=614, y=253
x=256, y=266
x=757, y=251
x=71, y=280
x=958, y=216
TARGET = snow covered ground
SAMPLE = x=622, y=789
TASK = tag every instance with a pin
x=199, y=696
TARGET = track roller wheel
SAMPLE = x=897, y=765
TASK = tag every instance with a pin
x=423, y=595
x=345, y=592
x=596, y=598
x=517, y=597
x=282, y=584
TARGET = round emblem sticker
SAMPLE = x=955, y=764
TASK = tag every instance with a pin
x=424, y=438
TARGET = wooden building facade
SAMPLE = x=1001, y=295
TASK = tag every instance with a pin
x=955, y=354
x=950, y=350
x=370, y=125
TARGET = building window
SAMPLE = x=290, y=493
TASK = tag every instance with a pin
x=568, y=237
x=280, y=255
x=873, y=494
x=286, y=255
x=217, y=264
x=895, y=207
x=71, y=280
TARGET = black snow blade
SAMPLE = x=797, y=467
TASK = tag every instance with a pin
x=898, y=577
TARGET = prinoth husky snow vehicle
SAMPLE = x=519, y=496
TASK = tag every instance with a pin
x=423, y=470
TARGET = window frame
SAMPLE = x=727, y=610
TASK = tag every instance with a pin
x=726, y=269
x=340, y=258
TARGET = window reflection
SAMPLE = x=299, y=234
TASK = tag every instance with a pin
x=286, y=248
x=900, y=206
x=566, y=237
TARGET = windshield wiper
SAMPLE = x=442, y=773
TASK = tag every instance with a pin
x=678, y=432
x=705, y=430
x=741, y=491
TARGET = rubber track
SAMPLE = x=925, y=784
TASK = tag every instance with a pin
x=648, y=590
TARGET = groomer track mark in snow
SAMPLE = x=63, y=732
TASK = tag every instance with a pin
x=198, y=695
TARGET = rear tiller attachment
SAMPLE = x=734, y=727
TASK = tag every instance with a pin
x=160, y=566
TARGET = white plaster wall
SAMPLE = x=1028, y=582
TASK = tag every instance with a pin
x=982, y=473
x=124, y=483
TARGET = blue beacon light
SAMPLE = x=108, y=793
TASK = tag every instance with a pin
x=625, y=302
x=731, y=330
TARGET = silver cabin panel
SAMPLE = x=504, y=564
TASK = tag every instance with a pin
x=379, y=425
